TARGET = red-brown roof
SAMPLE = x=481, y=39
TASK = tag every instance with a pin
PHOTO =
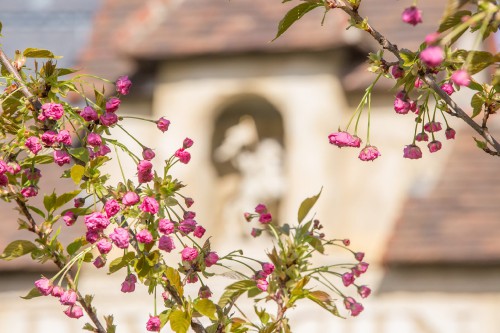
x=459, y=220
x=161, y=29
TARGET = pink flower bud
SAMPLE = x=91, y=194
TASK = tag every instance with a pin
x=359, y=256
x=189, y=215
x=99, y=262
x=369, y=153
x=422, y=136
x=432, y=56
x=347, y=279
x=183, y=155
x=418, y=83
x=204, y=292
x=57, y=291
x=49, y=138
x=149, y=205
x=434, y=146
x=397, y=71
x=461, y=78
x=265, y=218
x=74, y=311
x=166, y=226
x=187, y=226
x=262, y=284
x=61, y=157
x=356, y=309
x=148, y=154
x=111, y=207
x=450, y=133
x=199, y=231
x=432, y=38
x=69, y=218
x=120, y=237
x=163, y=124
x=189, y=254
x=68, y=297
x=267, y=268
x=447, y=88
x=94, y=139
x=401, y=106
x=29, y=191
x=104, y=246
x=211, y=259
x=128, y=285
x=248, y=216
x=64, y=137
x=144, y=236
x=108, y=119
x=88, y=114
x=344, y=139
x=433, y=126
x=166, y=243
x=256, y=232
x=130, y=198
x=78, y=202
x=44, y=286
x=112, y=104
x=412, y=152
x=33, y=144
x=153, y=324
x=364, y=291
x=189, y=202
x=261, y=209
x=187, y=143
x=412, y=15
x=123, y=85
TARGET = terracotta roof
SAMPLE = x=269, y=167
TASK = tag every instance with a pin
x=459, y=220
x=162, y=29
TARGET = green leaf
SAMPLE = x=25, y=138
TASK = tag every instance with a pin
x=0, y=28
x=179, y=321
x=206, y=307
x=77, y=172
x=306, y=206
x=315, y=243
x=480, y=144
x=65, y=198
x=452, y=20
x=110, y=327
x=121, y=262
x=38, y=53
x=17, y=249
x=49, y=201
x=477, y=104
x=36, y=210
x=32, y=294
x=174, y=279
x=294, y=15
x=234, y=291
x=74, y=246
x=81, y=154
x=323, y=299
x=89, y=327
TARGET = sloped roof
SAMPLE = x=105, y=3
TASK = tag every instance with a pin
x=161, y=29
x=459, y=221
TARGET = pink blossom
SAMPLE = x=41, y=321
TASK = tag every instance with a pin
x=78, y=202
x=187, y=226
x=412, y=15
x=61, y=157
x=111, y=207
x=248, y=216
x=348, y=302
x=4, y=181
x=166, y=226
x=362, y=267
x=211, y=259
x=401, y=106
x=144, y=166
x=96, y=221
x=166, y=243
x=261, y=209
x=88, y=114
x=163, y=124
x=347, y=279
x=120, y=237
x=148, y=154
x=33, y=144
x=204, y=292
x=128, y=285
x=450, y=133
x=369, y=153
x=199, y=231
x=94, y=139
x=153, y=324
x=108, y=119
x=192, y=278
x=68, y=297
x=104, y=246
x=364, y=291
x=74, y=311
x=189, y=253
x=412, y=152
x=189, y=215
x=356, y=309
x=461, y=78
x=103, y=150
x=44, y=286
x=92, y=236
x=57, y=291
x=64, y=137
x=183, y=155
x=265, y=218
x=346, y=242
x=144, y=236
x=49, y=138
x=29, y=191
x=433, y=127
x=418, y=83
x=434, y=146
x=69, y=218
x=149, y=205
x=397, y=71
x=112, y=104
x=432, y=56
x=432, y=38
x=422, y=136
x=123, y=85
x=12, y=168
x=145, y=177
x=262, y=284
x=267, y=268
x=187, y=143
x=344, y=139
x=447, y=88
x=130, y=198
x=52, y=111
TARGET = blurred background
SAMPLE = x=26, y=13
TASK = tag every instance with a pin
x=259, y=113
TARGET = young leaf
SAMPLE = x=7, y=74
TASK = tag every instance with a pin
x=32, y=294
x=76, y=173
x=206, y=307
x=49, y=201
x=477, y=104
x=294, y=15
x=81, y=154
x=38, y=53
x=453, y=20
x=234, y=291
x=306, y=206
x=74, y=246
x=179, y=321
x=121, y=262
x=174, y=278
x=17, y=249
x=65, y=198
